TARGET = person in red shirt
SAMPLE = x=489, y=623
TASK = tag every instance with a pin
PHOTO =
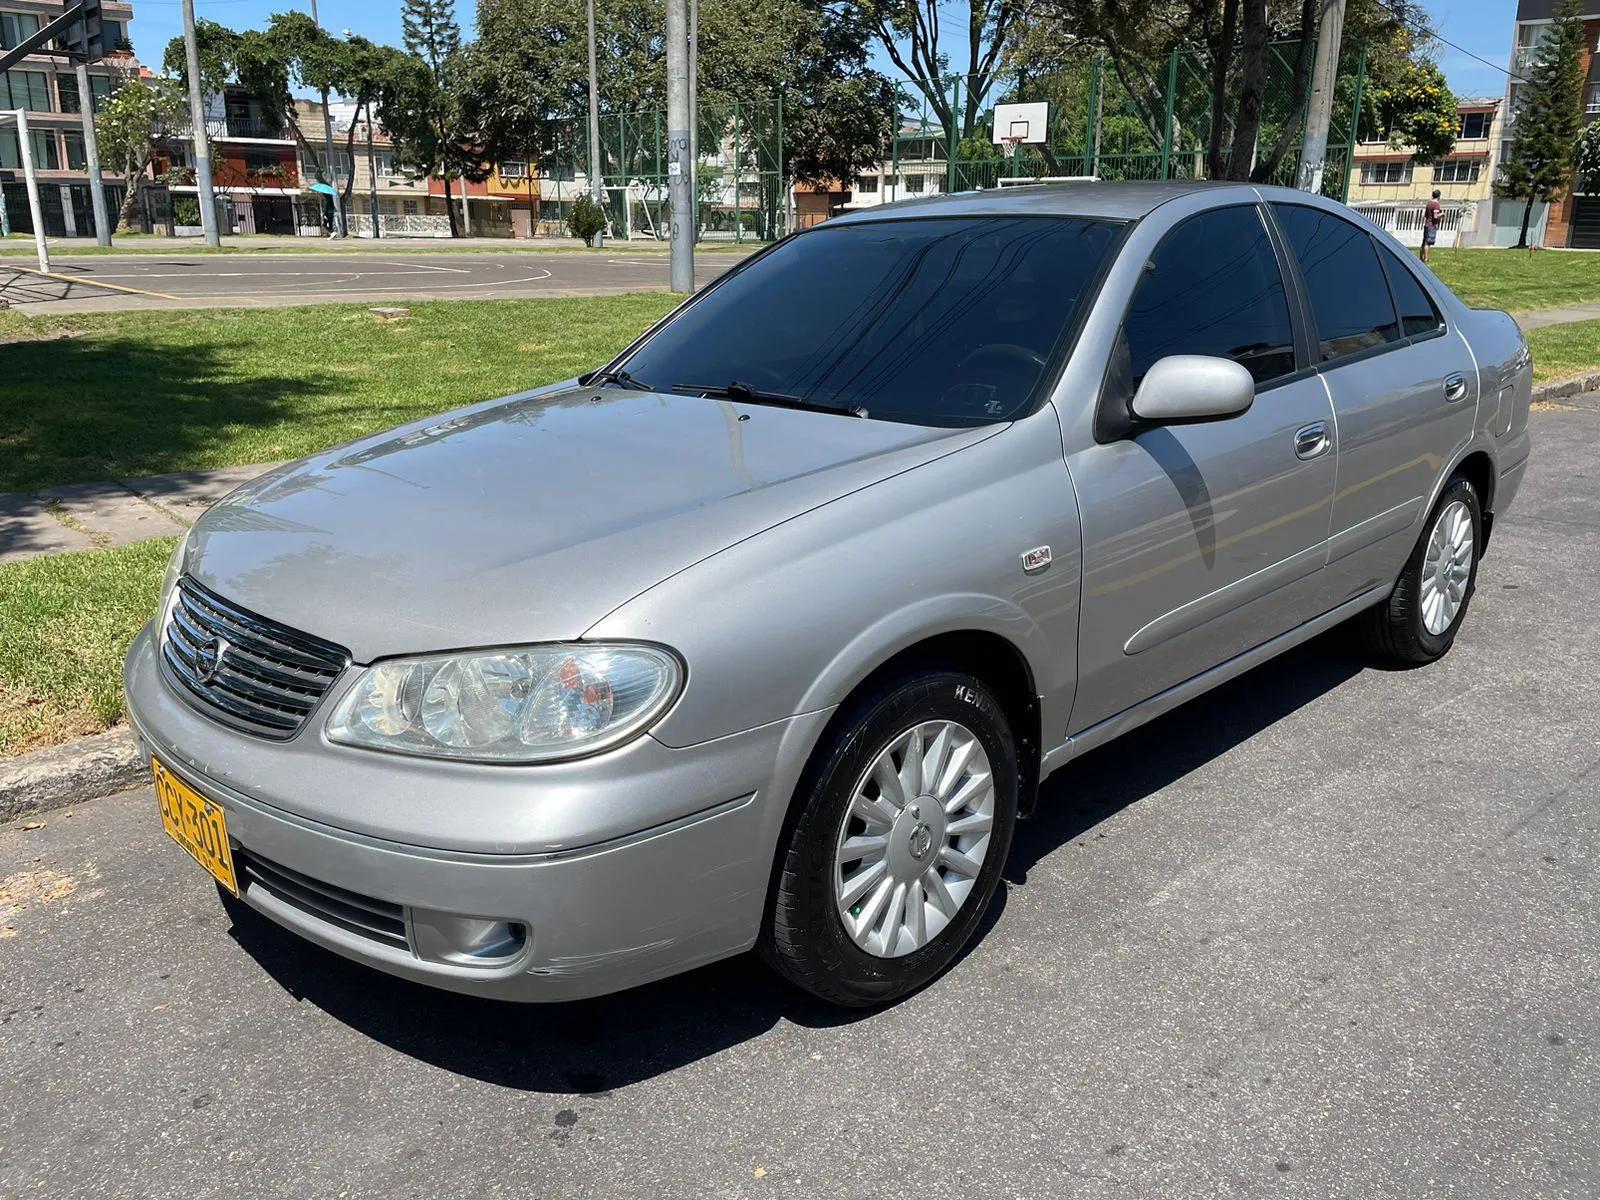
x=1431, y=216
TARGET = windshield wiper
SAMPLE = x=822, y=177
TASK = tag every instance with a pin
x=620, y=378
x=747, y=394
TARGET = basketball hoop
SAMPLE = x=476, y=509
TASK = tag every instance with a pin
x=1011, y=144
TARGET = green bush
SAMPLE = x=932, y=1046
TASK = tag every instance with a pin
x=585, y=220
x=185, y=210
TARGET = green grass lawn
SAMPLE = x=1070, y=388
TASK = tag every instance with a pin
x=68, y=620
x=121, y=395
x=1517, y=280
x=1560, y=350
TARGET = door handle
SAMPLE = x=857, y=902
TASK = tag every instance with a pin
x=1455, y=387
x=1312, y=440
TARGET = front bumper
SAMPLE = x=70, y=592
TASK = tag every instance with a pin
x=603, y=909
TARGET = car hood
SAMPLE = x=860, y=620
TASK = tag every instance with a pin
x=528, y=519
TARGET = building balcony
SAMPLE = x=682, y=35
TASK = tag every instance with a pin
x=247, y=127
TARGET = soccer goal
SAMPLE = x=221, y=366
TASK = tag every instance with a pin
x=19, y=119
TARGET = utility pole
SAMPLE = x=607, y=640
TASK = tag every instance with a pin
x=680, y=186
x=91, y=151
x=32, y=181
x=694, y=110
x=596, y=187
x=197, y=118
x=327, y=141
x=1319, y=113
x=466, y=215
x=372, y=177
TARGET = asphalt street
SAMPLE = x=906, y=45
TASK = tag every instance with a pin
x=1329, y=931
x=113, y=283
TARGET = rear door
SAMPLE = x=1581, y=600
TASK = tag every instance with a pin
x=1404, y=388
x=1201, y=541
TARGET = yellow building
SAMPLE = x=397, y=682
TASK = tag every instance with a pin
x=1391, y=189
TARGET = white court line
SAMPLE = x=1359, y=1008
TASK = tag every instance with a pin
x=630, y=262
x=429, y=267
x=251, y=274
x=362, y=291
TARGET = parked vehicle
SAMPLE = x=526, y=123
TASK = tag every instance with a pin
x=765, y=634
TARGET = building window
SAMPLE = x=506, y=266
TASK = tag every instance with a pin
x=514, y=168
x=100, y=87
x=1475, y=126
x=383, y=164
x=867, y=185
x=16, y=26
x=915, y=183
x=1591, y=103
x=410, y=208
x=28, y=90
x=1385, y=172
x=46, y=156
x=76, y=159
x=1457, y=170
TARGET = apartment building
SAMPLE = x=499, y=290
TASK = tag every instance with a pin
x=1574, y=220
x=46, y=89
x=1391, y=189
x=405, y=207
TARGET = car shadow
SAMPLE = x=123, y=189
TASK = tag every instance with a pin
x=598, y=1045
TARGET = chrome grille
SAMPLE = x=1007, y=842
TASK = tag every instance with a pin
x=361, y=915
x=242, y=669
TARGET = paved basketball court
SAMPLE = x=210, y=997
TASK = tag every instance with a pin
x=113, y=282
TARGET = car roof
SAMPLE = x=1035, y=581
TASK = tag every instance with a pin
x=1126, y=201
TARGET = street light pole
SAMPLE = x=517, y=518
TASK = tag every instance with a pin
x=327, y=139
x=597, y=188
x=680, y=188
x=91, y=152
x=694, y=110
x=197, y=118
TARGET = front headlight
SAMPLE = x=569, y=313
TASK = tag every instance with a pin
x=169, y=585
x=531, y=704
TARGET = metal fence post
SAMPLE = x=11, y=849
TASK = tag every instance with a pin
x=783, y=178
x=1355, y=124
x=1166, y=135
x=738, y=217
x=955, y=129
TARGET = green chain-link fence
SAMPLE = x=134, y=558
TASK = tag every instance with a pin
x=1117, y=125
x=740, y=190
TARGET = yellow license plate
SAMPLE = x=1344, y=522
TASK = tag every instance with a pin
x=196, y=824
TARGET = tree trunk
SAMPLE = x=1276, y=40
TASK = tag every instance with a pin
x=450, y=208
x=1248, y=126
x=130, y=192
x=1527, y=213
x=350, y=152
x=1302, y=91
x=1221, y=60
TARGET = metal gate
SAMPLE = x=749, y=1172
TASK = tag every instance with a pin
x=1585, y=223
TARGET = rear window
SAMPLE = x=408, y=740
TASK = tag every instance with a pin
x=932, y=321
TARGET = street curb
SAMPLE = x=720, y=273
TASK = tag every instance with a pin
x=55, y=777
x=1562, y=388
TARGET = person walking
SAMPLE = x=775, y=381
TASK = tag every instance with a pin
x=1431, y=216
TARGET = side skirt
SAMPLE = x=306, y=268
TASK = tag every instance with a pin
x=1182, y=693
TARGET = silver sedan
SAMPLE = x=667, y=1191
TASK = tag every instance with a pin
x=765, y=634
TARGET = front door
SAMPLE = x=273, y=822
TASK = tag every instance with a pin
x=1201, y=541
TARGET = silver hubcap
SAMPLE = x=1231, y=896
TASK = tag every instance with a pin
x=914, y=838
x=1447, y=567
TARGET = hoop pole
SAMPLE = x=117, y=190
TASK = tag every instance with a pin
x=33, y=190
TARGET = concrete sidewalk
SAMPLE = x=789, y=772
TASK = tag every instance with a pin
x=1565, y=314
x=91, y=516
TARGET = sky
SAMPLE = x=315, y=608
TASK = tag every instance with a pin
x=1483, y=27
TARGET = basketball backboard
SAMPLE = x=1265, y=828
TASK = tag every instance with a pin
x=1020, y=123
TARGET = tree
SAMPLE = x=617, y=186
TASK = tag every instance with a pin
x=1549, y=119
x=1419, y=110
x=1587, y=159
x=522, y=86
x=426, y=108
x=136, y=118
x=910, y=33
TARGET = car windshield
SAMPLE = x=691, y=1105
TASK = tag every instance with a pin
x=931, y=321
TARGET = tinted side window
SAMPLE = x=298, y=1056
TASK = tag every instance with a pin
x=1213, y=287
x=1349, y=297
x=1417, y=313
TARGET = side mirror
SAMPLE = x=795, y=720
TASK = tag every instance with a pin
x=1193, y=387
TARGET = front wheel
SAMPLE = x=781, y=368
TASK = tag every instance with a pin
x=1419, y=621
x=904, y=820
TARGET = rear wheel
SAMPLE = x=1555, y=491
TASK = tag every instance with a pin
x=1419, y=621
x=903, y=824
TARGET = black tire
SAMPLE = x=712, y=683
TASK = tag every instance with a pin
x=804, y=938
x=1396, y=629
